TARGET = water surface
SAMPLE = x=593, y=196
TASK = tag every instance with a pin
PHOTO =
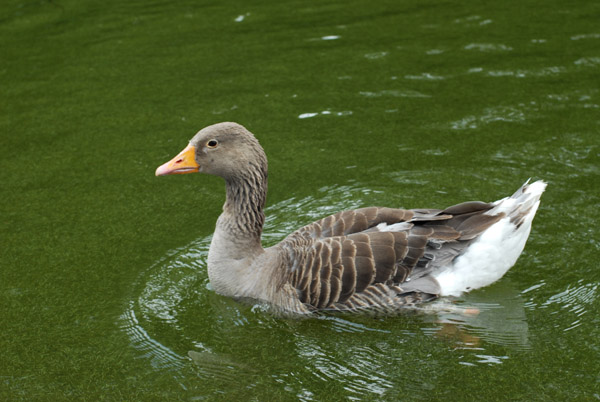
x=409, y=104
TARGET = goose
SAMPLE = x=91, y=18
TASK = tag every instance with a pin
x=374, y=259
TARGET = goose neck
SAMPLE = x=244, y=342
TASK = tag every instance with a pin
x=243, y=212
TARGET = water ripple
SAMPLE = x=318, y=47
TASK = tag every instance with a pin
x=575, y=300
x=586, y=36
x=488, y=47
x=376, y=55
x=588, y=61
x=324, y=113
x=543, y=72
x=360, y=373
x=490, y=115
x=159, y=355
x=425, y=76
x=396, y=93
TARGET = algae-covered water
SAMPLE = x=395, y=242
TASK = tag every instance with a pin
x=103, y=287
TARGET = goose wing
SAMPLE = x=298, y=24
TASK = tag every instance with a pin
x=371, y=256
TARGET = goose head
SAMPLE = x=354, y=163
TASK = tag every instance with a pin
x=227, y=150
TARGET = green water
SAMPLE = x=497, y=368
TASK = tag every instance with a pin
x=103, y=287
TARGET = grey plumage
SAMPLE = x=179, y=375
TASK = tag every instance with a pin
x=373, y=258
x=344, y=262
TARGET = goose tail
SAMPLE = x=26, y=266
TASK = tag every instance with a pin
x=497, y=249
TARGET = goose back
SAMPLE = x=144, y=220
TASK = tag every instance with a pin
x=378, y=257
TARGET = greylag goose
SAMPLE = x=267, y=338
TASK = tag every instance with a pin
x=375, y=258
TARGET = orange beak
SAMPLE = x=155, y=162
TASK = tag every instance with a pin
x=184, y=162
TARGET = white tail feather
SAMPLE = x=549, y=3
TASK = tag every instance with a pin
x=497, y=249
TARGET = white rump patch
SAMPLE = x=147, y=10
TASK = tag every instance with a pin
x=497, y=249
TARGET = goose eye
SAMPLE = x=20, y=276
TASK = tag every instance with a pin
x=212, y=143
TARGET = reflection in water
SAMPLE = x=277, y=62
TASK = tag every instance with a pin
x=339, y=324
x=493, y=315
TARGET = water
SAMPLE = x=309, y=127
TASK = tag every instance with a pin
x=410, y=104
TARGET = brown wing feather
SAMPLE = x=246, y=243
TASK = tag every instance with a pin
x=354, y=221
x=343, y=261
